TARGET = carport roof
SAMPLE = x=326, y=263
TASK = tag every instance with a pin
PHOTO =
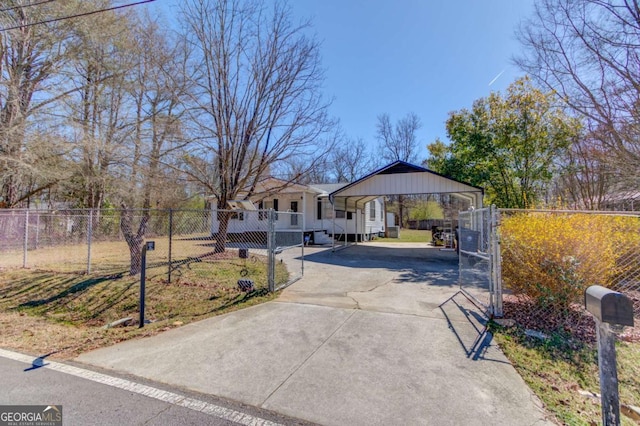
x=401, y=178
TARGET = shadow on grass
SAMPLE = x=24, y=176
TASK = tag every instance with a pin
x=81, y=286
x=237, y=301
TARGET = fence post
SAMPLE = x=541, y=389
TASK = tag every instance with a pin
x=333, y=229
x=89, y=238
x=461, y=224
x=26, y=239
x=143, y=277
x=37, y=230
x=497, y=260
x=271, y=258
x=170, y=242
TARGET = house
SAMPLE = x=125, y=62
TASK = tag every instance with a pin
x=303, y=208
x=352, y=211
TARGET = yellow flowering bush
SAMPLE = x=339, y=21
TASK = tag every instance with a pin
x=553, y=257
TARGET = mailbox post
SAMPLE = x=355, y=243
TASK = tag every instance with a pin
x=149, y=245
x=609, y=308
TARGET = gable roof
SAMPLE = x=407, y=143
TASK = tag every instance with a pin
x=400, y=178
x=327, y=188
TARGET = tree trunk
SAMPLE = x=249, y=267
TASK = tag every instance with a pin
x=221, y=236
x=134, y=240
x=135, y=256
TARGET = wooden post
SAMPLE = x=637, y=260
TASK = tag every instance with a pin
x=608, y=374
x=608, y=308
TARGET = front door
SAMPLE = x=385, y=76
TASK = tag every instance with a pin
x=294, y=217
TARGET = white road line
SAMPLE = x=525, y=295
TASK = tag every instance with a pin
x=151, y=392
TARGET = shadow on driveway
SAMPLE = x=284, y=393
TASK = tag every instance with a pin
x=415, y=263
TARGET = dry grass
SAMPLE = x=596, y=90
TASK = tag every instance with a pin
x=107, y=256
x=50, y=311
x=562, y=371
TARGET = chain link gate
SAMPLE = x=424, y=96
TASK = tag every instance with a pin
x=479, y=258
x=285, y=249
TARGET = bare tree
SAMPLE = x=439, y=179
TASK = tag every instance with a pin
x=159, y=89
x=589, y=52
x=100, y=110
x=351, y=160
x=399, y=142
x=586, y=174
x=298, y=171
x=31, y=57
x=257, y=99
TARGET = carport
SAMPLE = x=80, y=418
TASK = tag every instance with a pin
x=399, y=178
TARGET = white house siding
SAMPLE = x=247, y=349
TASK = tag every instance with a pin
x=257, y=220
x=325, y=222
x=375, y=224
x=366, y=225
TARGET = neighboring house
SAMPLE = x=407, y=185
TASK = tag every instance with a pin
x=315, y=218
x=622, y=201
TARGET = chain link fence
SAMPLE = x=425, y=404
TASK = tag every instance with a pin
x=477, y=245
x=549, y=258
x=110, y=242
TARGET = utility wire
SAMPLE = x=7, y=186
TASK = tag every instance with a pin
x=75, y=16
x=25, y=5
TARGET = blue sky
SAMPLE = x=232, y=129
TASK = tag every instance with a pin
x=424, y=56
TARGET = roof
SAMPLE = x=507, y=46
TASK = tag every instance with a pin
x=328, y=188
x=400, y=178
x=271, y=185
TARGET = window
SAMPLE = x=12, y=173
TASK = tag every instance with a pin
x=340, y=215
x=372, y=210
x=319, y=210
x=264, y=206
x=237, y=215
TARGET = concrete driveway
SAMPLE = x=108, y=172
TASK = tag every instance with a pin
x=360, y=340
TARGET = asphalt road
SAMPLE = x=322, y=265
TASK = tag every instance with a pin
x=86, y=401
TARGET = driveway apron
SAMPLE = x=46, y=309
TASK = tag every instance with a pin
x=372, y=334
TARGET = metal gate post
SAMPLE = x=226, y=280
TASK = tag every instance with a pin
x=302, y=252
x=170, y=244
x=271, y=258
x=496, y=263
x=26, y=239
x=89, y=238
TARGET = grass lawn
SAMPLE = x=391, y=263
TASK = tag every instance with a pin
x=44, y=311
x=409, y=236
x=560, y=372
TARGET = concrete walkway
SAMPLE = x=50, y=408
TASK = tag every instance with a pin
x=360, y=340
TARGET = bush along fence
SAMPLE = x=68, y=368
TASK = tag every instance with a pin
x=100, y=241
x=549, y=259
